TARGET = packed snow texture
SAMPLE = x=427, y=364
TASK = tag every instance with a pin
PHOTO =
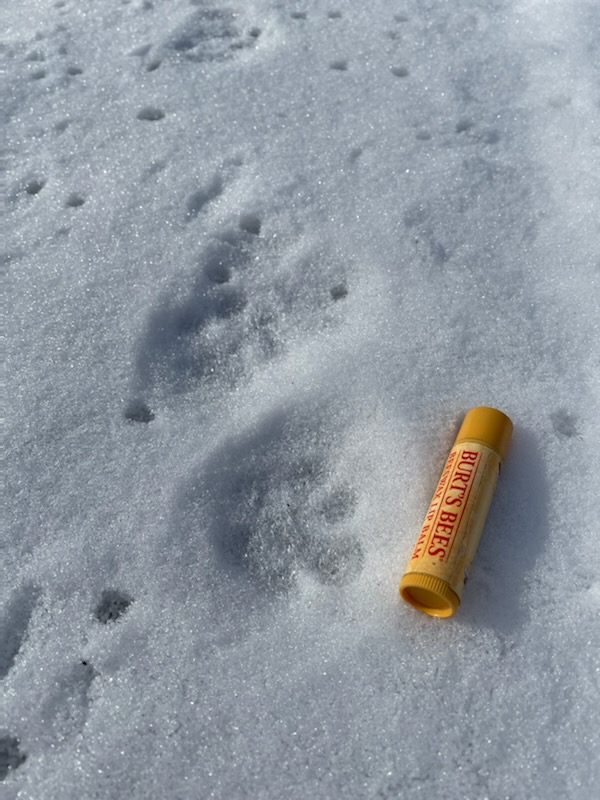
x=260, y=258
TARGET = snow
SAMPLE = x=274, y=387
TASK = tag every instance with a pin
x=260, y=259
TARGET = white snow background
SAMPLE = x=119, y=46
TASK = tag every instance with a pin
x=260, y=258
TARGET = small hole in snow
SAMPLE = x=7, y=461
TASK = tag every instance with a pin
x=11, y=756
x=150, y=114
x=138, y=411
x=339, y=291
x=112, y=605
x=75, y=200
x=34, y=186
x=464, y=125
x=250, y=223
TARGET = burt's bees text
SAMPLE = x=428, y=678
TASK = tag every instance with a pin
x=448, y=506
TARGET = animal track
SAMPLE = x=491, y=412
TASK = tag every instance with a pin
x=275, y=509
x=112, y=605
x=186, y=340
x=210, y=34
x=11, y=756
x=235, y=314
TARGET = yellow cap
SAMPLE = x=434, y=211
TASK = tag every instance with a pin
x=429, y=594
x=488, y=426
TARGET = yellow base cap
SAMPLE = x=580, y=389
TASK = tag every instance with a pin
x=429, y=594
x=489, y=426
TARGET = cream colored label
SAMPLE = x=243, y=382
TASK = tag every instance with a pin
x=455, y=519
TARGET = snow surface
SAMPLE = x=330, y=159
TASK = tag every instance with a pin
x=260, y=258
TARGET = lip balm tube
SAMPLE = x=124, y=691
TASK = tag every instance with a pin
x=440, y=562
